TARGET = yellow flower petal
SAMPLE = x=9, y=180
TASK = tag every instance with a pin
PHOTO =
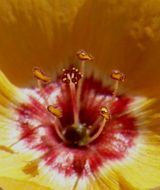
x=12, y=166
x=10, y=184
x=33, y=33
x=106, y=178
x=141, y=168
x=106, y=28
x=46, y=33
x=9, y=91
x=18, y=165
x=126, y=185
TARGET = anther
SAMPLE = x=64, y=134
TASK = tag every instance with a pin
x=55, y=111
x=40, y=75
x=117, y=75
x=83, y=55
x=105, y=113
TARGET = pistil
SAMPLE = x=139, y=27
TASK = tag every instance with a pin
x=72, y=77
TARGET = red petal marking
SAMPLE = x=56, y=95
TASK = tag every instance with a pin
x=114, y=142
x=120, y=105
x=117, y=138
x=33, y=110
x=92, y=84
x=79, y=163
x=64, y=102
x=27, y=132
x=50, y=88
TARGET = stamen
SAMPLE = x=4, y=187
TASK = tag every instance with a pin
x=40, y=75
x=83, y=56
x=57, y=114
x=71, y=77
x=106, y=117
x=41, y=78
x=94, y=137
x=118, y=77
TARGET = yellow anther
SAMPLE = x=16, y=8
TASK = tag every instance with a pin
x=31, y=168
x=40, y=75
x=105, y=113
x=83, y=55
x=6, y=149
x=117, y=75
x=55, y=111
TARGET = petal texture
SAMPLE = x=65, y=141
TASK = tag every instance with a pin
x=34, y=32
x=47, y=33
x=8, y=184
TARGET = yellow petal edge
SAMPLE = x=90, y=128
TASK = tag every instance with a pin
x=10, y=184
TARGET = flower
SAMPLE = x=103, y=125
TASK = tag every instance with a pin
x=76, y=133
x=106, y=141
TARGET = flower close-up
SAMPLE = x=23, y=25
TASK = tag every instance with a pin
x=82, y=111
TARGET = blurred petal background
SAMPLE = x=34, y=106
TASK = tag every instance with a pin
x=122, y=34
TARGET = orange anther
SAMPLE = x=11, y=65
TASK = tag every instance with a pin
x=83, y=55
x=40, y=75
x=105, y=113
x=55, y=111
x=117, y=75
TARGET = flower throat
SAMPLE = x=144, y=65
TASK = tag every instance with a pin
x=78, y=133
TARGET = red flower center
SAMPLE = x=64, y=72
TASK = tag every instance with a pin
x=87, y=137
